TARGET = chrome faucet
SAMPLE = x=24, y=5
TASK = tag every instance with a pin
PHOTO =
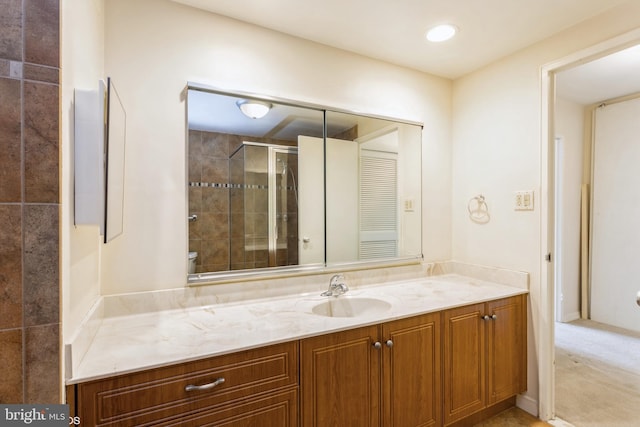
x=337, y=287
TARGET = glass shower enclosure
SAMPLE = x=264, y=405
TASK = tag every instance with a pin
x=263, y=219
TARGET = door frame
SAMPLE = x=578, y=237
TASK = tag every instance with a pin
x=546, y=320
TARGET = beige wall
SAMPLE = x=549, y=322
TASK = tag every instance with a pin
x=496, y=151
x=164, y=46
x=82, y=57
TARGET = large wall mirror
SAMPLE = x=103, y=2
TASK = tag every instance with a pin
x=277, y=186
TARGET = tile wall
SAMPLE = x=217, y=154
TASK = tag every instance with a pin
x=209, y=234
x=227, y=222
x=29, y=201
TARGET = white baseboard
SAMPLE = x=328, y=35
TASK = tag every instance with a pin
x=557, y=422
x=570, y=317
x=528, y=404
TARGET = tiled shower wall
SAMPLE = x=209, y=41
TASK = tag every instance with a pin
x=221, y=246
x=29, y=201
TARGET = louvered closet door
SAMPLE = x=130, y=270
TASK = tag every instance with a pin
x=378, y=205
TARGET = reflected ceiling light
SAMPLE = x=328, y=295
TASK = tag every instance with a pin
x=441, y=33
x=253, y=109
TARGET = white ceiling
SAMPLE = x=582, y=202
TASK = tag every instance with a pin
x=612, y=76
x=393, y=31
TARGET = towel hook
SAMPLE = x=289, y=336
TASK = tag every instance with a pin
x=478, y=209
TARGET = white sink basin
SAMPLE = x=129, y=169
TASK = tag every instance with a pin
x=350, y=307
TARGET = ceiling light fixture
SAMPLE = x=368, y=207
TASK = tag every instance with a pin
x=254, y=109
x=441, y=33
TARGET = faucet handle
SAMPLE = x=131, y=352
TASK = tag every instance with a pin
x=336, y=286
x=337, y=278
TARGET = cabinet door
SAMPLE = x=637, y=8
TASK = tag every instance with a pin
x=464, y=362
x=506, y=348
x=340, y=379
x=412, y=394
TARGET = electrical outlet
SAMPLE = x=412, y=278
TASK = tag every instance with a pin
x=524, y=200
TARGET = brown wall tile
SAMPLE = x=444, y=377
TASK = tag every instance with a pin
x=10, y=267
x=10, y=149
x=216, y=145
x=11, y=29
x=215, y=171
x=42, y=376
x=40, y=73
x=42, y=32
x=214, y=226
x=41, y=265
x=195, y=200
x=29, y=234
x=41, y=143
x=11, y=366
x=215, y=200
x=4, y=68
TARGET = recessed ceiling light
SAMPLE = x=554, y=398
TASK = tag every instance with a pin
x=441, y=33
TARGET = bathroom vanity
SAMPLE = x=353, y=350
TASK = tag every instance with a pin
x=443, y=351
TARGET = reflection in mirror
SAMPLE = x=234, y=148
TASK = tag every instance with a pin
x=257, y=174
x=243, y=183
x=115, y=140
x=376, y=165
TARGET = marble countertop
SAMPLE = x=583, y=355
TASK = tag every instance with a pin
x=130, y=343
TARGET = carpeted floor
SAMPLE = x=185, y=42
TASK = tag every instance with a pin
x=597, y=375
x=513, y=417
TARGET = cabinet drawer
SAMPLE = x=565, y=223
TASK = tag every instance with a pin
x=161, y=394
x=279, y=409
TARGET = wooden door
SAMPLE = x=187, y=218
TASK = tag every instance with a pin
x=340, y=378
x=464, y=362
x=506, y=349
x=411, y=369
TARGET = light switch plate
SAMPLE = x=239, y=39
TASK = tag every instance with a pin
x=408, y=205
x=524, y=200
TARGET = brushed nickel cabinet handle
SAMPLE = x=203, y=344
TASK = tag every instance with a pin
x=209, y=386
x=377, y=345
x=389, y=343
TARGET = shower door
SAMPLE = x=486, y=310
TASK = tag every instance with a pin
x=264, y=216
x=283, y=215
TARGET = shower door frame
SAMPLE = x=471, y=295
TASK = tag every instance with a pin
x=272, y=212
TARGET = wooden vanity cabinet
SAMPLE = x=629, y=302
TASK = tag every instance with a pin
x=384, y=375
x=255, y=387
x=448, y=368
x=484, y=348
